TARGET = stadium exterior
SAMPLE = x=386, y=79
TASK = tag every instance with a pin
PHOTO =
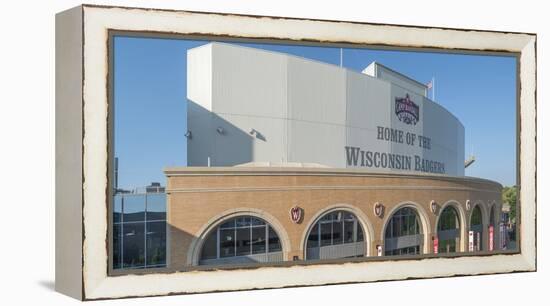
x=293, y=159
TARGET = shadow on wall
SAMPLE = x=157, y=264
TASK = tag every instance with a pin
x=212, y=134
x=178, y=244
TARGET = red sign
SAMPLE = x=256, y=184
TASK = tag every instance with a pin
x=491, y=237
x=436, y=245
x=296, y=214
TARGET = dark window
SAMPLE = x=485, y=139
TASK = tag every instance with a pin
x=227, y=242
x=334, y=228
x=209, y=248
x=133, y=245
x=241, y=236
x=448, y=225
x=117, y=246
x=326, y=234
x=274, y=242
x=243, y=241
x=156, y=243
x=404, y=222
x=313, y=238
x=139, y=230
x=476, y=216
x=258, y=240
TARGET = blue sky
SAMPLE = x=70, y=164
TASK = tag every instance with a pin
x=150, y=101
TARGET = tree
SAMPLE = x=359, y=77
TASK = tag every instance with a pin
x=509, y=195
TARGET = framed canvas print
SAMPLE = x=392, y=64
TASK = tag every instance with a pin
x=200, y=152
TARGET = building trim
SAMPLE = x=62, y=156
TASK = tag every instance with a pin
x=328, y=187
x=308, y=171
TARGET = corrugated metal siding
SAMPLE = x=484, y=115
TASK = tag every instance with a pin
x=279, y=108
x=337, y=251
x=403, y=242
x=255, y=258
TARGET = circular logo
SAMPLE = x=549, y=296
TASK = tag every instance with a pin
x=296, y=214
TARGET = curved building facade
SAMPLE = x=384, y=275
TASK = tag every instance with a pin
x=221, y=215
x=291, y=159
x=250, y=105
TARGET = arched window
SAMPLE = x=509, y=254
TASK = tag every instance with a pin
x=492, y=229
x=337, y=234
x=242, y=239
x=476, y=228
x=403, y=234
x=448, y=231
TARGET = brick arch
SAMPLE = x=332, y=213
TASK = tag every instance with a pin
x=424, y=220
x=195, y=248
x=463, y=223
x=368, y=228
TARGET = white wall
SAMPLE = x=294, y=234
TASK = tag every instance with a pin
x=275, y=107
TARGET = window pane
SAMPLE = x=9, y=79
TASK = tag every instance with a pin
x=396, y=226
x=243, y=222
x=274, y=242
x=360, y=236
x=348, y=231
x=227, y=242
x=117, y=245
x=210, y=246
x=412, y=225
x=256, y=221
x=156, y=243
x=258, y=240
x=337, y=235
x=326, y=234
x=405, y=221
x=389, y=229
x=313, y=239
x=228, y=224
x=476, y=216
x=134, y=207
x=243, y=241
x=156, y=206
x=133, y=245
x=117, y=209
x=349, y=216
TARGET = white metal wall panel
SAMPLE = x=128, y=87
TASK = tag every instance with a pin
x=246, y=81
x=274, y=107
x=366, y=109
x=316, y=143
x=199, y=75
x=316, y=92
x=385, y=74
x=201, y=145
x=238, y=145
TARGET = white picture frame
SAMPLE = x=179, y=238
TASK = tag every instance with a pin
x=82, y=157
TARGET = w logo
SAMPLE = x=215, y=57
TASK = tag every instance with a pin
x=296, y=214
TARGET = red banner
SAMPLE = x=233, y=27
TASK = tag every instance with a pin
x=491, y=238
